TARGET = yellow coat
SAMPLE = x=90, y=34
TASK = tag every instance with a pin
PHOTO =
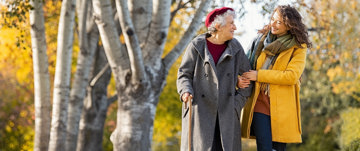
x=284, y=95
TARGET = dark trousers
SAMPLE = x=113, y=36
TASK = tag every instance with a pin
x=216, y=146
x=261, y=128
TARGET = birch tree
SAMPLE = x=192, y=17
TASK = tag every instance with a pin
x=96, y=105
x=62, y=76
x=41, y=77
x=140, y=73
x=88, y=40
x=96, y=102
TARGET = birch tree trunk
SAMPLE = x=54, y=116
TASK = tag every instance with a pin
x=88, y=44
x=96, y=103
x=96, y=106
x=141, y=12
x=62, y=76
x=41, y=77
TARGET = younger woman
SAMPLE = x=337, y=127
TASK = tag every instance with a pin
x=277, y=55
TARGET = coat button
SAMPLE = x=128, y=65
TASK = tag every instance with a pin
x=228, y=74
x=203, y=95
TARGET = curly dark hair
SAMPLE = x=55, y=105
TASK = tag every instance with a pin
x=293, y=20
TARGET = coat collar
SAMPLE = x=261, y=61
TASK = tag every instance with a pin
x=233, y=47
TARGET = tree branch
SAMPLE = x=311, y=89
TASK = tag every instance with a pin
x=158, y=32
x=179, y=6
x=98, y=75
x=112, y=99
x=115, y=52
x=78, y=90
x=141, y=12
x=171, y=57
x=132, y=43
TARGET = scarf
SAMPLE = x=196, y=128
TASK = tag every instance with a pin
x=272, y=46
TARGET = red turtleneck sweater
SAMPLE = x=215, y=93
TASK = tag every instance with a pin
x=216, y=50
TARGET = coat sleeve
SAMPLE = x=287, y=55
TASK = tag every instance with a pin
x=290, y=75
x=244, y=65
x=186, y=71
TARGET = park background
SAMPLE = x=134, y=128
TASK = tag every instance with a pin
x=330, y=87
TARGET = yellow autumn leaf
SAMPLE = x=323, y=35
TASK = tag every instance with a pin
x=339, y=70
x=335, y=88
x=331, y=74
x=346, y=55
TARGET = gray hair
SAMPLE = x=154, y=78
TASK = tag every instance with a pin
x=220, y=19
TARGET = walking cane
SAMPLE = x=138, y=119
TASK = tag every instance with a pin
x=189, y=100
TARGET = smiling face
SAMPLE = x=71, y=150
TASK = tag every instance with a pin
x=277, y=25
x=226, y=32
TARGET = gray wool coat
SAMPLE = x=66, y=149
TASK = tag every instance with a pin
x=214, y=92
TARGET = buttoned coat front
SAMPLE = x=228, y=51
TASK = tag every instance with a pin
x=214, y=94
x=284, y=91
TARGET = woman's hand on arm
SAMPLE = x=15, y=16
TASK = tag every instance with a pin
x=243, y=82
x=251, y=75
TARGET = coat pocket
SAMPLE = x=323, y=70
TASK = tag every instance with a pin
x=185, y=112
x=237, y=114
x=238, y=105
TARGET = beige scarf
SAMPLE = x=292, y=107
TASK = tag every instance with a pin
x=272, y=46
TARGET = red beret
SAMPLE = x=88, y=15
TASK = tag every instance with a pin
x=211, y=16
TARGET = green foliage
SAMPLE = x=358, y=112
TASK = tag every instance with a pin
x=15, y=138
x=318, y=134
x=354, y=146
x=16, y=119
x=350, y=129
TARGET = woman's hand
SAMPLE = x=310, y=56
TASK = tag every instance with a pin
x=243, y=82
x=251, y=75
x=185, y=97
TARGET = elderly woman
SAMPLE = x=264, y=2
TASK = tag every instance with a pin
x=277, y=55
x=208, y=73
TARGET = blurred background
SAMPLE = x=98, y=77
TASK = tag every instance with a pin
x=330, y=87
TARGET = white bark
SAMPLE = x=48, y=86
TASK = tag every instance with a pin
x=132, y=43
x=115, y=52
x=41, y=77
x=133, y=122
x=62, y=76
x=80, y=82
x=188, y=35
x=141, y=12
x=158, y=32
